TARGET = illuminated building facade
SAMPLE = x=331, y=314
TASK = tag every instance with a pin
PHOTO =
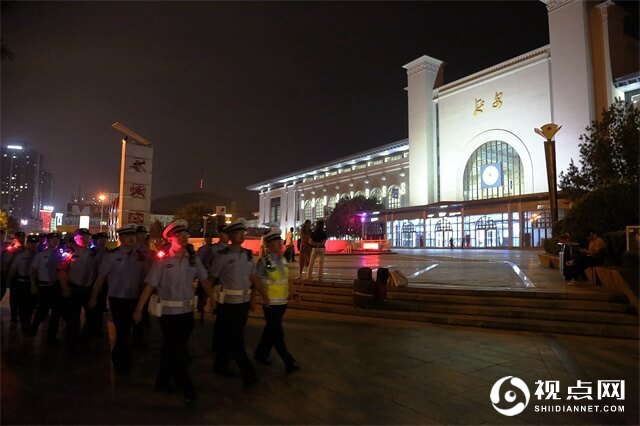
x=20, y=183
x=472, y=169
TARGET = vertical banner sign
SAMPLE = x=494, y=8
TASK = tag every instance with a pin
x=135, y=178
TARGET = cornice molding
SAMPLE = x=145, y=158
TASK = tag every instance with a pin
x=421, y=64
x=604, y=9
x=556, y=4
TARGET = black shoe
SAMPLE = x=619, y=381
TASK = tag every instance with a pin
x=292, y=368
x=263, y=361
x=225, y=372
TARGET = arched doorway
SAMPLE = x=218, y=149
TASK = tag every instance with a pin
x=486, y=232
x=443, y=232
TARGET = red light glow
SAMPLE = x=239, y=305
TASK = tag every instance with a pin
x=370, y=246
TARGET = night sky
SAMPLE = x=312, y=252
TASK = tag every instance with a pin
x=236, y=93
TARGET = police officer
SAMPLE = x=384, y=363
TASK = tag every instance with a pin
x=205, y=253
x=99, y=243
x=223, y=240
x=19, y=277
x=125, y=268
x=172, y=276
x=76, y=272
x=232, y=270
x=45, y=284
x=272, y=271
x=142, y=244
x=16, y=246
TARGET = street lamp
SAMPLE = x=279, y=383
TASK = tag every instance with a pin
x=548, y=131
x=101, y=197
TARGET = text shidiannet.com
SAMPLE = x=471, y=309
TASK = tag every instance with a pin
x=579, y=409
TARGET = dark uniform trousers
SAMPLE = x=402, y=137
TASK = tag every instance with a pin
x=233, y=319
x=79, y=300
x=22, y=301
x=215, y=341
x=176, y=330
x=273, y=335
x=48, y=300
x=96, y=315
x=122, y=315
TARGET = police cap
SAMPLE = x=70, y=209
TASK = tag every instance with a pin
x=141, y=229
x=175, y=227
x=221, y=228
x=18, y=234
x=208, y=235
x=99, y=235
x=128, y=229
x=53, y=235
x=273, y=234
x=240, y=224
x=33, y=238
x=81, y=231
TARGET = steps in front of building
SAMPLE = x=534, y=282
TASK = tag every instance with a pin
x=582, y=313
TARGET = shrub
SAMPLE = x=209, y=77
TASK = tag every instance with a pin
x=551, y=245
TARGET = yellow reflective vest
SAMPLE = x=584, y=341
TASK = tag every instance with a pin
x=276, y=283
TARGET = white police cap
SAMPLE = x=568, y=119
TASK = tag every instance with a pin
x=128, y=229
x=272, y=235
x=175, y=227
x=240, y=224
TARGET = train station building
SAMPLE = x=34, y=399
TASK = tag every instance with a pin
x=472, y=168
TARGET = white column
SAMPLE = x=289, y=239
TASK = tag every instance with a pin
x=572, y=96
x=421, y=76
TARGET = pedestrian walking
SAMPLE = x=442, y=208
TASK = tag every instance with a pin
x=172, y=276
x=317, y=241
x=232, y=270
x=46, y=286
x=125, y=268
x=96, y=320
x=272, y=272
x=289, y=250
x=305, y=246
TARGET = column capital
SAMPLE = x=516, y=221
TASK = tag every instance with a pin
x=424, y=62
x=556, y=4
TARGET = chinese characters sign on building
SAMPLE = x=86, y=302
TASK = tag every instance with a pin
x=480, y=103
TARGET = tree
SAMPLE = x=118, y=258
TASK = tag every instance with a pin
x=604, y=189
x=608, y=153
x=8, y=222
x=344, y=220
x=193, y=214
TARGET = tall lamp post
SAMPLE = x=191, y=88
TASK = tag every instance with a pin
x=101, y=197
x=548, y=131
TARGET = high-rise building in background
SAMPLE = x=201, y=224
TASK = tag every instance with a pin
x=25, y=187
x=46, y=189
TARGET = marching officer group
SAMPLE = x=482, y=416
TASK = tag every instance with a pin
x=62, y=280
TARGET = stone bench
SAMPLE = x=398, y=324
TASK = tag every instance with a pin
x=549, y=260
x=613, y=279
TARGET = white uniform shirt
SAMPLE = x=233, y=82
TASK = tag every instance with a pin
x=82, y=268
x=46, y=262
x=173, y=278
x=233, y=271
x=125, y=272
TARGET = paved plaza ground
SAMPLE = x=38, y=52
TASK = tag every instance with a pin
x=354, y=370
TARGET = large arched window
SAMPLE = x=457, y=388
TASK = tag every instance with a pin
x=359, y=194
x=332, y=202
x=493, y=170
x=376, y=193
x=320, y=208
x=307, y=211
x=393, y=197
